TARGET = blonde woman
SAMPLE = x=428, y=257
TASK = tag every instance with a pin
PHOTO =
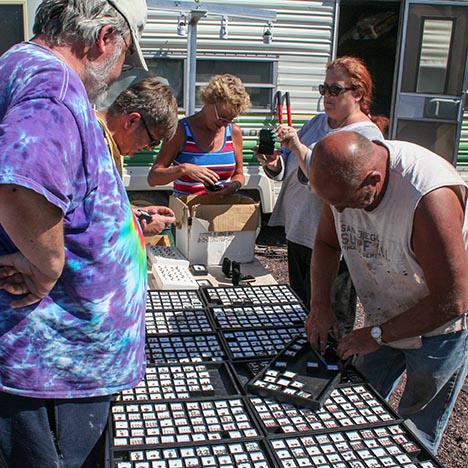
x=205, y=155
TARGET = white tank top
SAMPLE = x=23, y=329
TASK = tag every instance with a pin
x=377, y=245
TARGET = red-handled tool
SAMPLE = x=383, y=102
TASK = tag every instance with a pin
x=278, y=104
x=266, y=141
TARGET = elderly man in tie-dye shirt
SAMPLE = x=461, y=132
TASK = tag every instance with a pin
x=73, y=269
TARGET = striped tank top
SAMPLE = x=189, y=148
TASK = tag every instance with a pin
x=221, y=161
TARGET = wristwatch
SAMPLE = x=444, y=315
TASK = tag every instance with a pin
x=376, y=333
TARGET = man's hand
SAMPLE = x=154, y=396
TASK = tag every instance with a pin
x=319, y=322
x=18, y=276
x=161, y=218
x=358, y=341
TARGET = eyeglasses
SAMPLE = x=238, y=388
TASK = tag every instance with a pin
x=153, y=141
x=130, y=51
x=333, y=90
x=223, y=119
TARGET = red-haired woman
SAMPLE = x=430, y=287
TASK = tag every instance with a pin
x=347, y=97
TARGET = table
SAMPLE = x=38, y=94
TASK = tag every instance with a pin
x=216, y=277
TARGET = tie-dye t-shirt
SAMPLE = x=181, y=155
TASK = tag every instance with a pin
x=87, y=337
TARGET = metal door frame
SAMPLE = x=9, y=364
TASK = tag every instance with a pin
x=401, y=44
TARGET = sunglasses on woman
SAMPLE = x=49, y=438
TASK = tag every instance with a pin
x=224, y=119
x=333, y=90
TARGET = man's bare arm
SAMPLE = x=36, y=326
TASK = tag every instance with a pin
x=438, y=244
x=324, y=267
x=36, y=228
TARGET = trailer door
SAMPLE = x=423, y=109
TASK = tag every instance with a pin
x=432, y=76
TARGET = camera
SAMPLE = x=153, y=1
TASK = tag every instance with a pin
x=266, y=141
x=214, y=187
x=144, y=215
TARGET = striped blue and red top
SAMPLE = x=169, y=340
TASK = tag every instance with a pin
x=221, y=161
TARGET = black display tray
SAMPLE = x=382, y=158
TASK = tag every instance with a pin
x=257, y=343
x=173, y=300
x=163, y=423
x=356, y=406
x=392, y=446
x=234, y=361
x=178, y=321
x=171, y=349
x=250, y=295
x=244, y=371
x=183, y=381
x=242, y=453
x=259, y=316
x=299, y=375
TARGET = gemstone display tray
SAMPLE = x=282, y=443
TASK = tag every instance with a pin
x=348, y=405
x=188, y=369
x=239, y=454
x=165, y=255
x=388, y=446
x=250, y=295
x=277, y=315
x=163, y=423
x=193, y=348
x=299, y=375
x=258, y=343
x=183, y=381
x=244, y=371
x=177, y=321
x=173, y=300
x=169, y=277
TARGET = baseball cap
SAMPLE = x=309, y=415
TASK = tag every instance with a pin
x=134, y=12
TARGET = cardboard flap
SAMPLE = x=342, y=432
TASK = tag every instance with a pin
x=223, y=218
x=227, y=213
x=180, y=210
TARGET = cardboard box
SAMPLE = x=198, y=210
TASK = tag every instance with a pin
x=210, y=227
x=159, y=239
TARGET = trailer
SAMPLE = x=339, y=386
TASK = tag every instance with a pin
x=416, y=51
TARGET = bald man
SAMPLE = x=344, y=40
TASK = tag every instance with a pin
x=397, y=212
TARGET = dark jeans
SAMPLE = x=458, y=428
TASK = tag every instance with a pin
x=45, y=433
x=299, y=257
x=344, y=298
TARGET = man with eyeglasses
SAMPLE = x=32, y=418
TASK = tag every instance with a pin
x=139, y=118
x=73, y=262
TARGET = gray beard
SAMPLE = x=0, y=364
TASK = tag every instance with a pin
x=96, y=78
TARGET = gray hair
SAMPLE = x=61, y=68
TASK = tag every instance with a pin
x=154, y=100
x=65, y=21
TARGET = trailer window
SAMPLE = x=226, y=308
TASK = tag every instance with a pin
x=258, y=76
x=434, y=58
x=12, y=25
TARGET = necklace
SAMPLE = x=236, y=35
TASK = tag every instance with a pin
x=349, y=119
x=342, y=123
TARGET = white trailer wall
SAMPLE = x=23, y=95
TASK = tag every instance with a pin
x=302, y=42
